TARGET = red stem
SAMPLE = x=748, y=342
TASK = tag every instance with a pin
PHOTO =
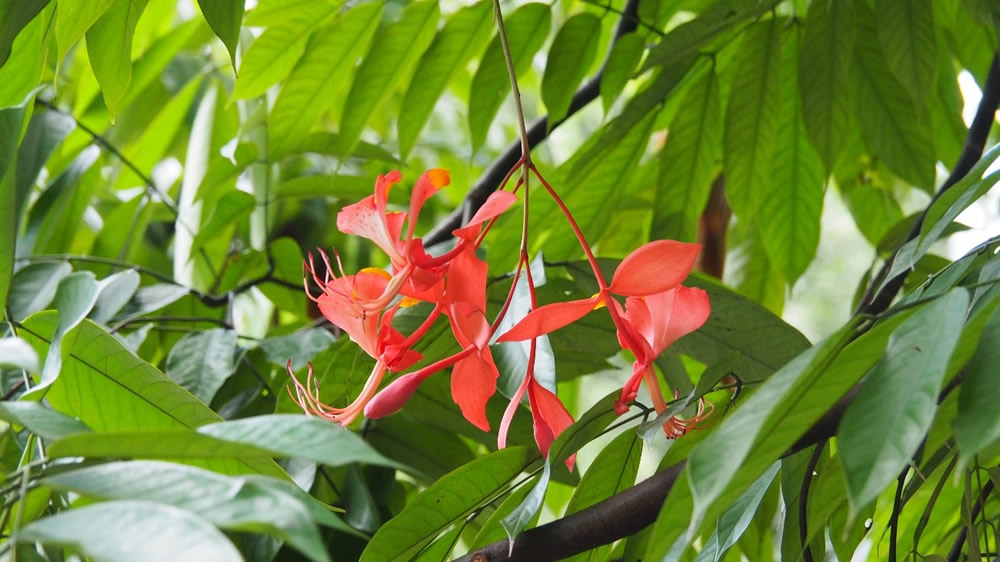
x=423, y=327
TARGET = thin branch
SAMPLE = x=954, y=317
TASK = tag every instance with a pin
x=897, y=507
x=537, y=132
x=956, y=547
x=972, y=151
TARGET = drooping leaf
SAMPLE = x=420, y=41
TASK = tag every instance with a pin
x=14, y=17
x=527, y=29
x=908, y=39
x=621, y=63
x=463, y=37
x=109, y=44
x=299, y=347
x=752, y=116
x=152, y=298
x=824, y=76
x=885, y=423
x=736, y=519
x=73, y=19
x=526, y=511
x=398, y=49
x=687, y=162
x=793, y=200
x=306, y=94
x=446, y=502
x=133, y=529
x=231, y=208
x=570, y=56
x=34, y=287
x=114, y=292
x=978, y=421
x=225, y=18
x=889, y=118
x=272, y=55
x=40, y=420
x=23, y=68
x=228, y=502
x=46, y=130
x=202, y=361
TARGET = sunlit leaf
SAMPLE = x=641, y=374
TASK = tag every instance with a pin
x=41, y=420
x=109, y=43
x=906, y=33
x=225, y=18
x=570, y=56
x=202, y=361
x=622, y=60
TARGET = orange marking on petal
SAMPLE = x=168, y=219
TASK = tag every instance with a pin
x=600, y=302
x=407, y=302
x=376, y=271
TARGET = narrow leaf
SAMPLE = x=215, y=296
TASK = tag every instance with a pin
x=109, y=44
x=907, y=36
x=978, y=421
x=41, y=420
x=73, y=19
x=525, y=512
x=621, y=63
x=225, y=18
x=570, y=56
x=34, y=287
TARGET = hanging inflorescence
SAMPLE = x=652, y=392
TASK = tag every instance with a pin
x=657, y=310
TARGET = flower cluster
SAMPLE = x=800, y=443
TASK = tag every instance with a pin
x=657, y=311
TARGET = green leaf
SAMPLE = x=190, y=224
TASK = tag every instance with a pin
x=890, y=121
x=17, y=354
x=152, y=298
x=300, y=437
x=793, y=199
x=224, y=17
x=585, y=429
x=613, y=471
x=824, y=76
x=11, y=121
x=621, y=63
x=34, y=287
x=398, y=49
x=978, y=421
x=45, y=132
x=908, y=39
x=463, y=37
x=14, y=17
x=231, y=208
x=492, y=530
x=114, y=292
x=874, y=210
x=429, y=452
x=688, y=161
x=73, y=19
x=570, y=56
x=886, y=422
x=133, y=530
x=526, y=511
x=25, y=60
x=231, y=503
x=299, y=347
x=272, y=55
x=75, y=297
x=110, y=389
x=752, y=116
x=307, y=93
x=736, y=519
x=447, y=501
x=346, y=187
x=202, y=361
x=527, y=29
x=41, y=420
x=109, y=44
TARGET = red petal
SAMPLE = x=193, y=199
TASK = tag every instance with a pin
x=549, y=318
x=466, y=281
x=549, y=410
x=473, y=382
x=496, y=203
x=654, y=267
x=469, y=325
x=428, y=184
x=392, y=398
x=689, y=312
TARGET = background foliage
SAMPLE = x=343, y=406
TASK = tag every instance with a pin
x=165, y=165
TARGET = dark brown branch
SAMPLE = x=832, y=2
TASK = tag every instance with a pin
x=537, y=132
x=972, y=151
x=956, y=547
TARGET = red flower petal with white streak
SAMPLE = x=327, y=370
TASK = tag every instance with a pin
x=473, y=382
x=654, y=267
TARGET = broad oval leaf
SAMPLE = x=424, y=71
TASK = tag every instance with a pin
x=570, y=56
x=885, y=423
x=908, y=39
x=202, y=361
x=446, y=502
x=133, y=530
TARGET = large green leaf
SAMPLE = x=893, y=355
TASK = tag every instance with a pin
x=621, y=63
x=736, y=519
x=889, y=118
x=688, y=161
x=570, y=56
x=120, y=531
x=14, y=17
x=446, y=502
x=462, y=38
x=40, y=420
x=330, y=54
x=527, y=511
x=73, y=19
x=824, y=76
x=886, y=422
x=978, y=421
x=225, y=18
x=793, y=200
x=109, y=44
x=34, y=287
x=11, y=121
x=272, y=55
x=23, y=70
x=202, y=361
x=45, y=132
x=527, y=29
x=110, y=389
x=907, y=35
x=232, y=503
x=752, y=116
x=398, y=49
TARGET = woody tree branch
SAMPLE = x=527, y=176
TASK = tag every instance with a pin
x=537, y=132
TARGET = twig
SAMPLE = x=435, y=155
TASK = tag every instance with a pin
x=536, y=133
x=972, y=151
x=956, y=547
